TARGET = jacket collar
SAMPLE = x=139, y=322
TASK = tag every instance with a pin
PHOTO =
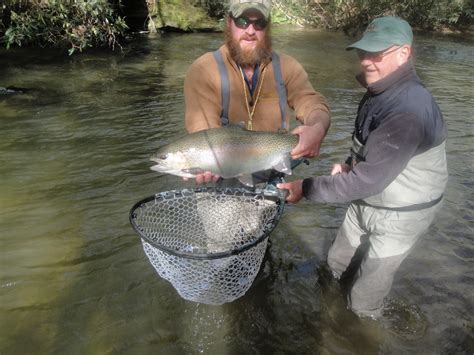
x=406, y=71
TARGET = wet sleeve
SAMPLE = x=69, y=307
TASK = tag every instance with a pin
x=389, y=149
x=202, y=95
x=302, y=98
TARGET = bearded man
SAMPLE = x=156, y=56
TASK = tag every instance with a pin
x=244, y=81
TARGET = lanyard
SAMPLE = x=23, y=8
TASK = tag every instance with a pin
x=252, y=91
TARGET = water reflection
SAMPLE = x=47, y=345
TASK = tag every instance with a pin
x=75, y=159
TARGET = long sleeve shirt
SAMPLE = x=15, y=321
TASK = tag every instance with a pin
x=202, y=91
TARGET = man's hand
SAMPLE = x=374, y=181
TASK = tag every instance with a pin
x=310, y=141
x=295, y=190
x=312, y=133
x=205, y=178
x=340, y=168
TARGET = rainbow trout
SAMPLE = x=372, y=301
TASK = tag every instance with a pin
x=230, y=152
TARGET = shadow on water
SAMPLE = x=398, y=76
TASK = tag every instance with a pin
x=75, y=159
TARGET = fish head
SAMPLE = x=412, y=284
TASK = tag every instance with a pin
x=174, y=163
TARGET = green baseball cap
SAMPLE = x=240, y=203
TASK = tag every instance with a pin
x=238, y=7
x=383, y=33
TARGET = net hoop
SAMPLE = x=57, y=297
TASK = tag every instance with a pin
x=264, y=194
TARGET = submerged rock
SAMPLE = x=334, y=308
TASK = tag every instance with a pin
x=11, y=90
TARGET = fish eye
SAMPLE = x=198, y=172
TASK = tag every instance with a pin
x=158, y=157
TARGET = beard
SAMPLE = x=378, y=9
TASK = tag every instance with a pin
x=249, y=56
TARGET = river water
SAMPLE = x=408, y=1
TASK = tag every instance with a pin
x=74, y=159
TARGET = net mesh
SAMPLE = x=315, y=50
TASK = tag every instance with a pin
x=209, y=243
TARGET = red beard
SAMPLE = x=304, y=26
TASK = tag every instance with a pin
x=249, y=56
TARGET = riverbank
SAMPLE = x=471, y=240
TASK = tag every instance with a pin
x=167, y=16
x=105, y=23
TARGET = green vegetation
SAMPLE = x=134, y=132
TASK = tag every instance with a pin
x=78, y=24
x=432, y=15
x=356, y=14
x=73, y=24
x=186, y=15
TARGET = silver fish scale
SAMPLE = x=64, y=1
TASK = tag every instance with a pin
x=232, y=137
x=208, y=243
x=238, y=137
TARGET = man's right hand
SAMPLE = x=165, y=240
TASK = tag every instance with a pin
x=295, y=190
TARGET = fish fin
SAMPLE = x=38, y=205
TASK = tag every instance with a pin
x=246, y=180
x=284, y=165
x=193, y=171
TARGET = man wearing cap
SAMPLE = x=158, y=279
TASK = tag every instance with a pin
x=245, y=82
x=395, y=175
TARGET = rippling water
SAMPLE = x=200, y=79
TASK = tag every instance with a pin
x=74, y=159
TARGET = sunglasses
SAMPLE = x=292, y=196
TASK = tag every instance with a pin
x=376, y=56
x=243, y=23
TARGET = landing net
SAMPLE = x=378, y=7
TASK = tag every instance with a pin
x=208, y=243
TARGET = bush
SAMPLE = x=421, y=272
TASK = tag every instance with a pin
x=73, y=24
x=423, y=14
x=356, y=14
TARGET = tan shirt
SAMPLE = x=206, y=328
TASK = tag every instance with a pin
x=202, y=91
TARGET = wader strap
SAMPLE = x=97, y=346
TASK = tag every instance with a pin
x=357, y=152
x=225, y=85
x=412, y=208
x=225, y=94
x=280, y=86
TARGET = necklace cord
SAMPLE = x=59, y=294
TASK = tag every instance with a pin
x=259, y=89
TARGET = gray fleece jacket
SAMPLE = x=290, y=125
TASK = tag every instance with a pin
x=397, y=120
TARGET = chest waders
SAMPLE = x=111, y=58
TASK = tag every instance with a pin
x=225, y=88
x=379, y=232
x=358, y=153
x=270, y=176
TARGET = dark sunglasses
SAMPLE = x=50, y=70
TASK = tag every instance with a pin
x=243, y=23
